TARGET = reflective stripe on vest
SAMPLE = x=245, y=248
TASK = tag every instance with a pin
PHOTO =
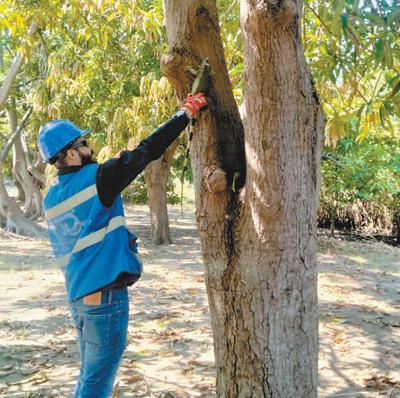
x=70, y=203
x=91, y=239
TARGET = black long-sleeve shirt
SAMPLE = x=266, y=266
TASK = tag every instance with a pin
x=114, y=175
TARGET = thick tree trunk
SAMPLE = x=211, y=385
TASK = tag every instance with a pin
x=13, y=219
x=156, y=177
x=283, y=141
x=28, y=189
x=37, y=170
x=259, y=245
x=11, y=216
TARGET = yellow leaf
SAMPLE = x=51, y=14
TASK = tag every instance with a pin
x=105, y=153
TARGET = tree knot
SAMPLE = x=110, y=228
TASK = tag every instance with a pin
x=170, y=62
x=215, y=180
x=280, y=12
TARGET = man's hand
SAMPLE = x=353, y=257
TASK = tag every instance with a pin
x=194, y=103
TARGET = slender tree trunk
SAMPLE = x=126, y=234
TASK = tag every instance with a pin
x=332, y=216
x=259, y=242
x=396, y=222
x=1, y=56
x=28, y=189
x=156, y=177
x=13, y=123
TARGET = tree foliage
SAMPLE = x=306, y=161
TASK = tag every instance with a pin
x=90, y=62
x=97, y=63
x=354, y=51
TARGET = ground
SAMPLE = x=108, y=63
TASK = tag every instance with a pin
x=170, y=351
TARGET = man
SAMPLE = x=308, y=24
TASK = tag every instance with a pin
x=97, y=253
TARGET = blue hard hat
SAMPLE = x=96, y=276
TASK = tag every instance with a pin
x=56, y=135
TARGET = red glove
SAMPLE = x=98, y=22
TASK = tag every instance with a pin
x=194, y=103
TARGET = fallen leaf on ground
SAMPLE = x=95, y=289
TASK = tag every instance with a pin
x=381, y=382
x=339, y=337
x=38, y=378
x=204, y=386
x=133, y=378
x=202, y=363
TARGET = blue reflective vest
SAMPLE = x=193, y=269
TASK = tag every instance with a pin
x=90, y=242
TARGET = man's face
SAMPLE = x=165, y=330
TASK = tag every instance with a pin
x=85, y=152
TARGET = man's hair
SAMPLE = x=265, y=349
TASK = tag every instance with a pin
x=59, y=160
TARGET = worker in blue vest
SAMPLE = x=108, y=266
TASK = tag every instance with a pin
x=90, y=241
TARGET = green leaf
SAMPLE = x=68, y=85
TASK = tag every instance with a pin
x=363, y=195
x=374, y=18
x=394, y=16
x=396, y=89
x=383, y=115
x=378, y=49
x=343, y=22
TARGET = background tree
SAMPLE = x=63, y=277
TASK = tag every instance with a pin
x=256, y=213
x=156, y=104
x=96, y=77
x=354, y=55
x=11, y=215
x=353, y=49
x=89, y=66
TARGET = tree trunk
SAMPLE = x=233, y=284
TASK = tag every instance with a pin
x=13, y=218
x=259, y=242
x=37, y=170
x=13, y=123
x=11, y=215
x=156, y=177
x=1, y=56
x=28, y=189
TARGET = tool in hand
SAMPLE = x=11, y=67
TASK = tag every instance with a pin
x=200, y=84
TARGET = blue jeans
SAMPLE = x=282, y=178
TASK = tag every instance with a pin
x=102, y=336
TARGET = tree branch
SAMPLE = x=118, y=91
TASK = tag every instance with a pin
x=227, y=10
x=320, y=20
x=14, y=135
x=12, y=73
x=23, y=84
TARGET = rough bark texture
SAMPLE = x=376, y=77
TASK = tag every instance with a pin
x=156, y=177
x=11, y=216
x=28, y=189
x=259, y=244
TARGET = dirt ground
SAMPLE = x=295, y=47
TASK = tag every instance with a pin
x=170, y=351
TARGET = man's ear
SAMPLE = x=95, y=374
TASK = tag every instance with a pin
x=71, y=155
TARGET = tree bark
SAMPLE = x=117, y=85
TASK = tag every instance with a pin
x=28, y=189
x=13, y=123
x=259, y=242
x=156, y=178
x=1, y=56
x=11, y=216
